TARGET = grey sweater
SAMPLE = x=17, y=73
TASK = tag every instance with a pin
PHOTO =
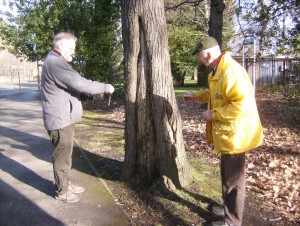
x=61, y=88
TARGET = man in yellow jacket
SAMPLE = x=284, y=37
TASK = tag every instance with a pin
x=232, y=123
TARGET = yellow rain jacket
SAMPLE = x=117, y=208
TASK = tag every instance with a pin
x=235, y=126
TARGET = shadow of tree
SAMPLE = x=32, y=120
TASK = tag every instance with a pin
x=24, y=211
x=27, y=176
x=23, y=95
x=111, y=170
x=107, y=168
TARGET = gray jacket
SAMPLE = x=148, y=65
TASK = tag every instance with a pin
x=61, y=88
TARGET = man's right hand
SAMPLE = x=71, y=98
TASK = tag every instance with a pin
x=109, y=88
x=188, y=96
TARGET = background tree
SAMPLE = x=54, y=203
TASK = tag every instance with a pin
x=215, y=24
x=154, y=144
x=2, y=27
x=273, y=23
x=186, y=23
x=181, y=43
x=190, y=20
x=36, y=23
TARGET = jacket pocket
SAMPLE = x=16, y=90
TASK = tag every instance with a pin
x=70, y=108
x=224, y=134
x=54, y=136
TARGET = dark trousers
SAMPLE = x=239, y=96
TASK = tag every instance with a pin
x=62, y=141
x=233, y=175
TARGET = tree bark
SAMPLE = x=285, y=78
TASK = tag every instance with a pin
x=154, y=145
x=216, y=20
x=202, y=78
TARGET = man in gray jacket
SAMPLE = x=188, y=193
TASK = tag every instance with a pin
x=61, y=90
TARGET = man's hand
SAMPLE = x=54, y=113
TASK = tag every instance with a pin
x=188, y=96
x=109, y=88
x=207, y=115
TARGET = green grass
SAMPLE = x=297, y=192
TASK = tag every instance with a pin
x=207, y=176
x=91, y=117
x=189, y=86
x=101, y=131
x=189, y=203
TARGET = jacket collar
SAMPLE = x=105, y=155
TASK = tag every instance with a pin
x=215, y=75
x=54, y=52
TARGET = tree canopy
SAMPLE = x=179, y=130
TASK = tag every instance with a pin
x=29, y=24
x=188, y=21
x=274, y=23
x=31, y=30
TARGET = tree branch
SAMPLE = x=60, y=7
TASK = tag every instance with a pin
x=175, y=7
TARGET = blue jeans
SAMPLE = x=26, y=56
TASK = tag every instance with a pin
x=62, y=140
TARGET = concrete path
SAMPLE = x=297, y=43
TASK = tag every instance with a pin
x=26, y=176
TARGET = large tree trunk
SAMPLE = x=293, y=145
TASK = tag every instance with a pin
x=202, y=78
x=154, y=143
x=216, y=20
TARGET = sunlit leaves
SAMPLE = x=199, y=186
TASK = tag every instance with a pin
x=272, y=169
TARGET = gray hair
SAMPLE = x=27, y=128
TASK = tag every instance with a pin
x=216, y=51
x=63, y=36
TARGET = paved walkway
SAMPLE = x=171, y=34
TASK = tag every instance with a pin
x=26, y=177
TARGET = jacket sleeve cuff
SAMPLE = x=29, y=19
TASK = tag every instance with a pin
x=214, y=116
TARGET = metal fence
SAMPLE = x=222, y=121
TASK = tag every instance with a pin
x=285, y=71
x=15, y=73
x=13, y=69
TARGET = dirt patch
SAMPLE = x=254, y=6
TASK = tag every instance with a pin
x=100, y=134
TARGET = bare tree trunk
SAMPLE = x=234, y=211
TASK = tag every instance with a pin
x=154, y=143
x=216, y=20
x=263, y=29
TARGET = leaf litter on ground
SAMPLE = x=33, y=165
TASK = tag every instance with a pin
x=272, y=169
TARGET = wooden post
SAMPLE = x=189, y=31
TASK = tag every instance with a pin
x=38, y=75
x=19, y=80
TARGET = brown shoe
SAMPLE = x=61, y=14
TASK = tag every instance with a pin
x=75, y=188
x=68, y=197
